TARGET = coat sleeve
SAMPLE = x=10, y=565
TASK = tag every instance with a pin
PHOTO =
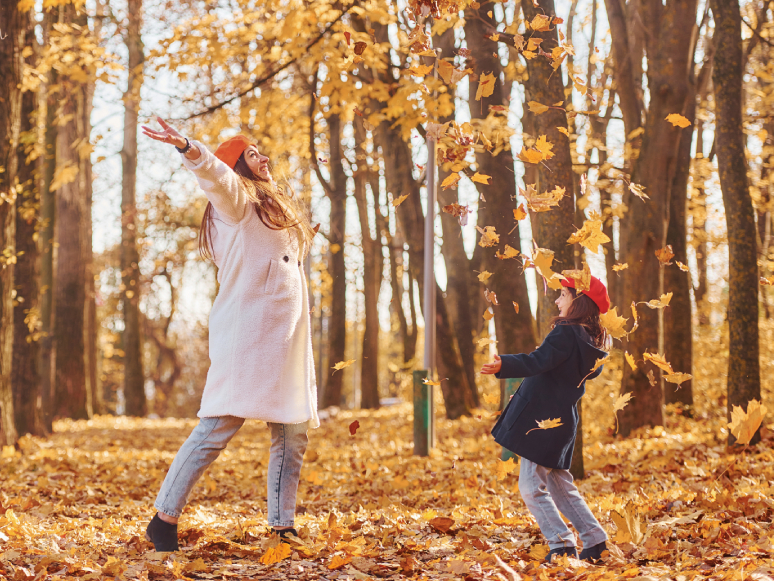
x=555, y=350
x=220, y=184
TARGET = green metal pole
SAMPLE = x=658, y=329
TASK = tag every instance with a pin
x=423, y=410
x=507, y=388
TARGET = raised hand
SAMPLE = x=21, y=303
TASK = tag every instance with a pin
x=491, y=368
x=168, y=135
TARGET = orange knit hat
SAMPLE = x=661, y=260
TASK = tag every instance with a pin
x=229, y=151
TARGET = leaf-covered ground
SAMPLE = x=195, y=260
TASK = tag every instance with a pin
x=676, y=503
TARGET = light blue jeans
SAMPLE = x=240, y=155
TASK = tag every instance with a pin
x=204, y=445
x=546, y=492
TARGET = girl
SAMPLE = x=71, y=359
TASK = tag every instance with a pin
x=261, y=364
x=555, y=381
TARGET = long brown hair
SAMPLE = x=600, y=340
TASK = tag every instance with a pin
x=584, y=312
x=278, y=208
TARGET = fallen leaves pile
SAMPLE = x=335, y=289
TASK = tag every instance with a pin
x=676, y=504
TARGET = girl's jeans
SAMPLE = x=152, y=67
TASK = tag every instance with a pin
x=546, y=492
x=288, y=444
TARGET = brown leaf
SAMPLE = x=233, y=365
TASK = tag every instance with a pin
x=442, y=523
x=353, y=427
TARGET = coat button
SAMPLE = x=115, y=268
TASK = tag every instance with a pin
x=285, y=258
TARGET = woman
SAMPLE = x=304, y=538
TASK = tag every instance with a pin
x=261, y=364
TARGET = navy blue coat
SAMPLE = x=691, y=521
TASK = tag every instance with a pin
x=555, y=380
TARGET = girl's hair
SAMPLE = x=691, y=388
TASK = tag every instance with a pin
x=584, y=312
x=278, y=208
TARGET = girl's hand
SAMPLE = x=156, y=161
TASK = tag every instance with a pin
x=168, y=135
x=492, y=368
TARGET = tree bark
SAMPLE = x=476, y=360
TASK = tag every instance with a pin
x=71, y=398
x=727, y=78
x=25, y=376
x=337, y=322
x=134, y=378
x=13, y=26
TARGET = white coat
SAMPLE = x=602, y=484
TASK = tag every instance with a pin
x=261, y=364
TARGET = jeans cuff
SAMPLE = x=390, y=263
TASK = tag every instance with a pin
x=168, y=511
x=565, y=545
x=277, y=523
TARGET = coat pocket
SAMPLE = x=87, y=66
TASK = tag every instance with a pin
x=271, y=279
x=515, y=409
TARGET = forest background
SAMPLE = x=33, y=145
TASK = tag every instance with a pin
x=604, y=137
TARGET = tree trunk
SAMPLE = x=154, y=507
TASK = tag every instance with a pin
x=744, y=382
x=514, y=330
x=337, y=322
x=13, y=26
x=134, y=378
x=25, y=376
x=373, y=263
x=71, y=399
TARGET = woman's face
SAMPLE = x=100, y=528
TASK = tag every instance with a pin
x=564, y=301
x=258, y=163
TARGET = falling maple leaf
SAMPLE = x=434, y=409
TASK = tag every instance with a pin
x=458, y=211
x=399, y=201
x=505, y=468
x=537, y=108
x=767, y=281
x=665, y=254
x=542, y=260
x=451, y=181
x=427, y=381
x=276, y=554
x=620, y=404
x=509, y=252
x=484, y=276
x=630, y=361
x=342, y=364
x=547, y=424
x=484, y=341
x=481, y=178
x=488, y=314
x=563, y=130
x=530, y=155
x=659, y=361
x=486, y=84
x=491, y=297
x=420, y=70
x=744, y=425
x=613, y=324
x=541, y=23
x=582, y=277
x=544, y=147
x=520, y=213
x=590, y=236
x=677, y=377
x=541, y=202
x=620, y=267
x=636, y=318
x=629, y=527
x=353, y=427
x=681, y=266
x=489, y=236
x=659, y=303
x=678, y=120
x=516, y=306
x=638, y=191
x=491, y=398
x=339, y=561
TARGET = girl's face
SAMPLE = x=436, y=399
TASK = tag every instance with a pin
x=564, y=301
x=258, y=163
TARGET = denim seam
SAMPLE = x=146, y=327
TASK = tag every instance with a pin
x=172, y=484
x=571, y=505
x=278, y=487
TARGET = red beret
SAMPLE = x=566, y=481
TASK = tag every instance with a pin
x=229, y=151
x=597, y=292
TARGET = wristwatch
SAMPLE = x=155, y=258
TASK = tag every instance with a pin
x=187, y=147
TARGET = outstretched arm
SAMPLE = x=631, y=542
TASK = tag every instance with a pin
x=554, y=351
x=219, y=182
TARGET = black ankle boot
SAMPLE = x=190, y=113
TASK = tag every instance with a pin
x=593, y=553
x=569, y=551
x=285, y=533
x=162, y=534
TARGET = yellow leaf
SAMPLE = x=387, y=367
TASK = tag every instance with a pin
x=630, y=361
x=486, y=84
x=634, y=315
x=64, y=175
x=538, y=552
x=314, y=478
x=658, y=303
x=620, y=267
x=491, y=398
x=678, y=120
x=638, y=191
x=665, y=254
x=767, y=281
x=509, y=253
x=342, y=364
x=520, y=213
x=530, y=155
x=590, y=236
x=582, y=277
x=494, y=37
x=681, y=266
x=505, y=468
x=563, y=130
x=481, y=178
x=659, y=361
x=488, y=314
x=450, y=181
x=488, y=236
x=629, y=528
x=541, y=23
x=537, y=108
x=276, y=554
x=420, y=70
x=529, y=55
x=744, y=425
x=544, y=147
x=484, y=341
x=445, y=69
x=543, y=259
x=533, y=43
x=338, y=561
x=515, y=306
x=678, y=377
x=427, y=381
x=541, y=202
x=484, y=276
x=613, y=324
x=399, y=201
x=620, y=404
x=547, y=424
